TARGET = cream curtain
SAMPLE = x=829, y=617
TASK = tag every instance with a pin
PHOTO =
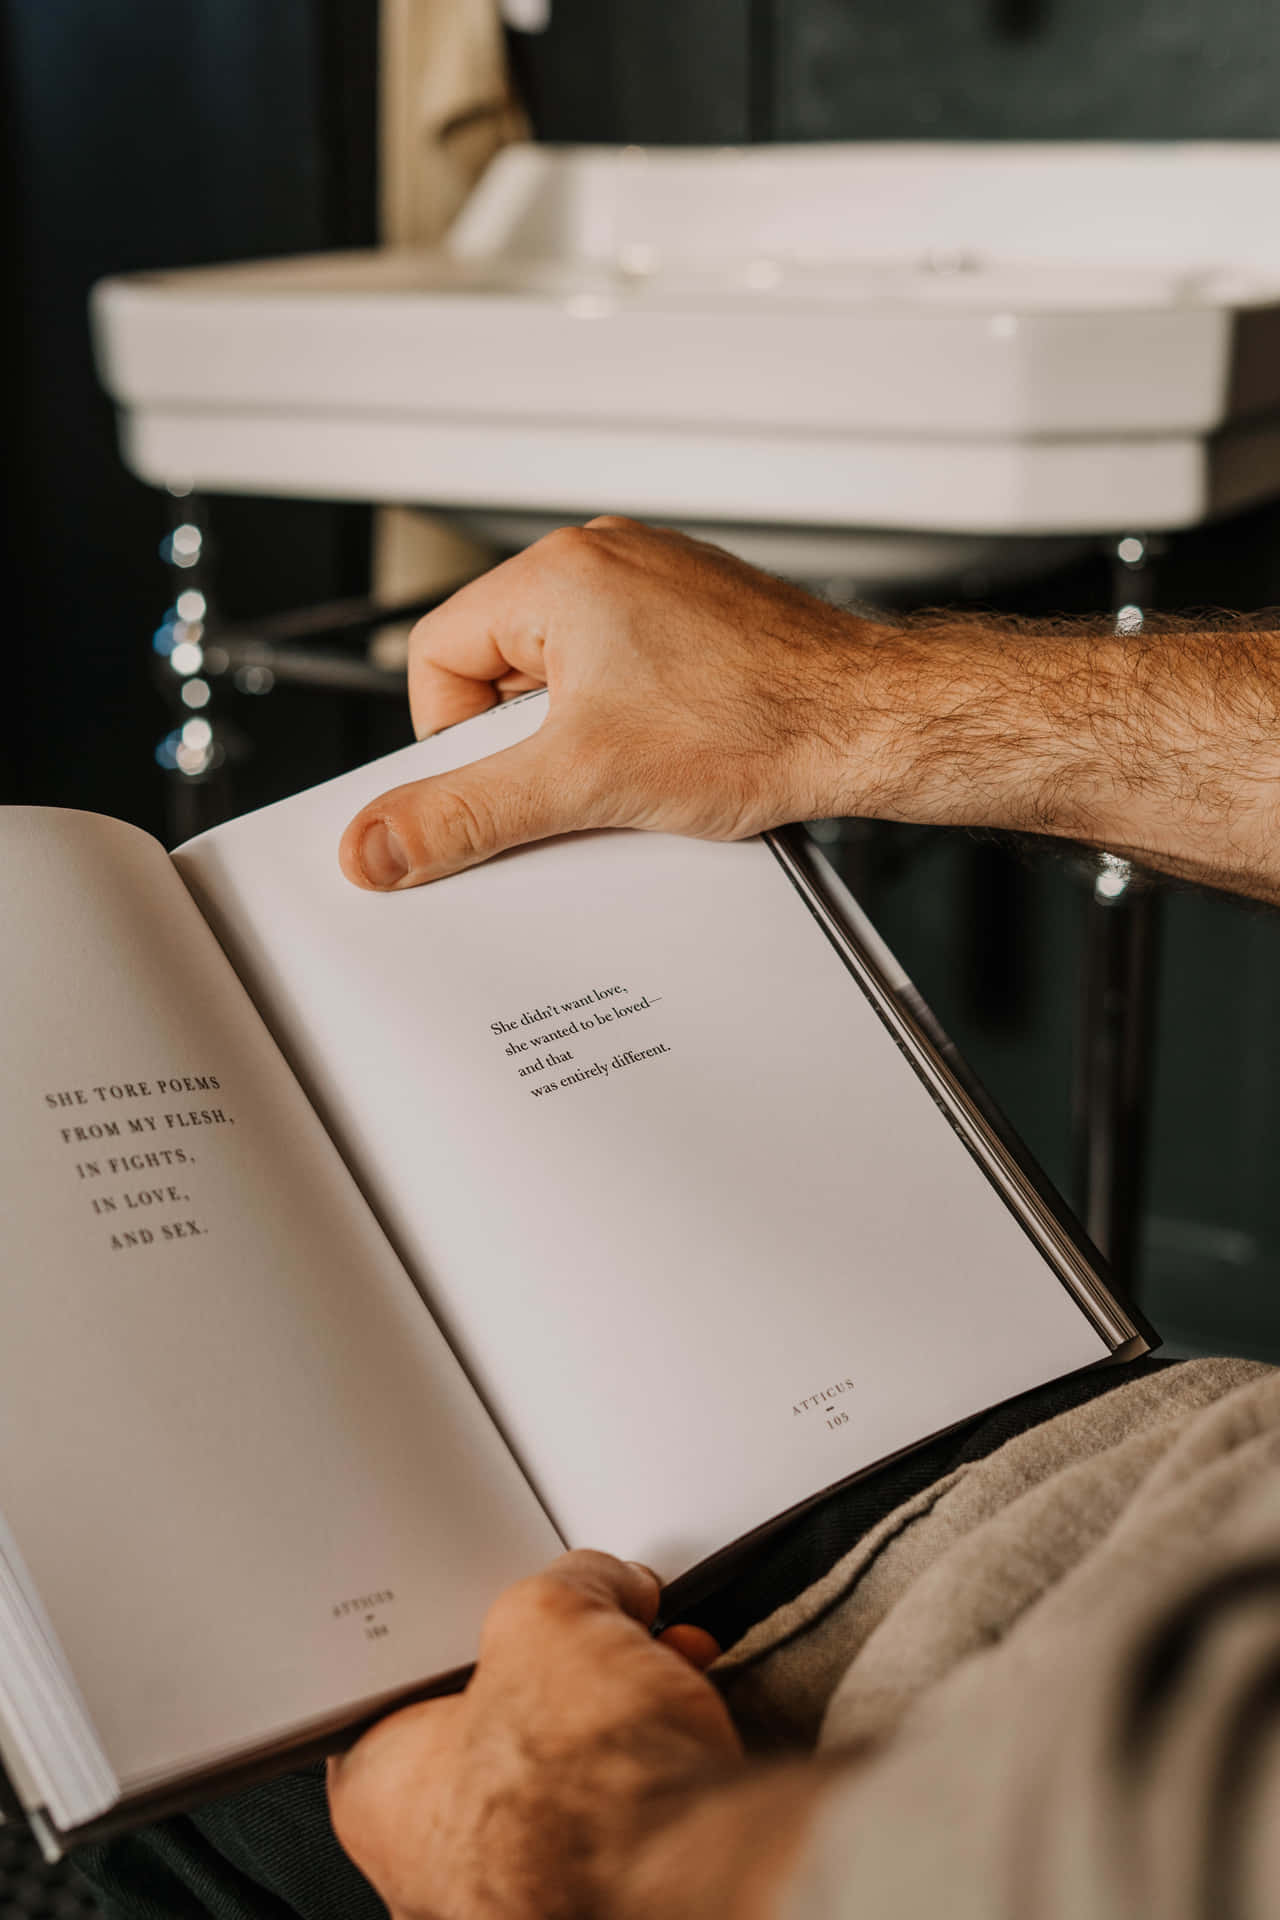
x=445, y=108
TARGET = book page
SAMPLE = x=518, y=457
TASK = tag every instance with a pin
x=250, y=1483
x=700, y=1235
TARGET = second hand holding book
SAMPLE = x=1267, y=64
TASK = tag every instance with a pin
x=612, y=1194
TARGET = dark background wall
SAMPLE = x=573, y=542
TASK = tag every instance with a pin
x=731, y=70
x=144, y=134
x=994, y=937
x=140, y=135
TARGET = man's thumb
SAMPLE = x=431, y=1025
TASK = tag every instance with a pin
x=430, y=828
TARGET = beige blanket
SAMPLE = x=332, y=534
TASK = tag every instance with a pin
x=1059, y=1672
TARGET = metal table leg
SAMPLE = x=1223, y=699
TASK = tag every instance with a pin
x=1114, y=1059
x=1115, y=1022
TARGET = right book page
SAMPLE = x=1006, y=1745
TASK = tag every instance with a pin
x=701, y=1236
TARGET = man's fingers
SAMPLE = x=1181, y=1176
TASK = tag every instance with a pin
x=572, y=1589
x=584, y=1582
x=440, y=698
x=434, y=827
x=479, y=633
x=493, y=628
x=693, y=1644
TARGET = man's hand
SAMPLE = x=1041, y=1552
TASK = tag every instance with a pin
x=562, y=1782
x=693, y=694
x=688, y=693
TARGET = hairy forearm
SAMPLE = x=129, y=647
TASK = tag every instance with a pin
x=1164, y=744
x=692, y=694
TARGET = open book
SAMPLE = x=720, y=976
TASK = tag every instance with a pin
x=363, y=1250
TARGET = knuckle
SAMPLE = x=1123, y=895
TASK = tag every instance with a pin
x=461, y=821
x=541, y=1600
x=569, y=549
x=564, y=540
x=613, y=523
x=421, y=637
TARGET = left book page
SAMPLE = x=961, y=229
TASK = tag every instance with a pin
x=248, y=1482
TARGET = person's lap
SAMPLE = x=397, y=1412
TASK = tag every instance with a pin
x=269, y=1851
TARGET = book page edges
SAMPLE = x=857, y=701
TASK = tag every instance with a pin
x=1004, y=1159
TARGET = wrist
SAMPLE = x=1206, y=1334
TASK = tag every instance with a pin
x=725, y=1852
x=969, y=723
x=886, y=739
